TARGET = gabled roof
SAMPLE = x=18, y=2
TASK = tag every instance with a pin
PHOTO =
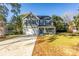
x=24, y=15
x=29, y=14
x=44, y=17
x=41, y=17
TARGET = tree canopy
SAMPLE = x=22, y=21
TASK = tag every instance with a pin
x=4, y=10
x=58, y=22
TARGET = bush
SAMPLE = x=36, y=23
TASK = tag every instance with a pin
x=13, y=32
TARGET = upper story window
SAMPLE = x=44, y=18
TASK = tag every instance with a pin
x=48, y=22
x=31, y=22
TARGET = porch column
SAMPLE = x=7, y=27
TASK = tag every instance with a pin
x=44, y=30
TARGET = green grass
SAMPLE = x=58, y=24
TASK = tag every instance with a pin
x=62, y=40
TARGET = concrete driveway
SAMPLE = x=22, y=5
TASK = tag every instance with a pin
x=19, y=46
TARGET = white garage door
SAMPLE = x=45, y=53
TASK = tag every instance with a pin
x=31, y=31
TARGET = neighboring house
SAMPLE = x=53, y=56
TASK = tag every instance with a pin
x=37, y=25
x=72, y=27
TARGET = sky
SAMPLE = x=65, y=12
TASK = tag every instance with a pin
x=50, y=9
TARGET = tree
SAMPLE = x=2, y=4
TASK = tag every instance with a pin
x=76, y=21
x=15, y=9
x=58, y=23
x=17, y=24
x=2, y=17
x=16, y=18
x=3, y=11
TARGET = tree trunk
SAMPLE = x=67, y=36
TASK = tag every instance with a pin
x=2, y=29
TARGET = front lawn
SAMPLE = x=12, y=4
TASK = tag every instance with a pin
x=59, y=44
x=65, y=40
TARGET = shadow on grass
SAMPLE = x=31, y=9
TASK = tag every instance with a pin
x=70, y=35
x=46, y=39
x=40, y=41
x=52, y=38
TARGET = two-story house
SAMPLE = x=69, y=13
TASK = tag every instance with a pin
x=37, y=25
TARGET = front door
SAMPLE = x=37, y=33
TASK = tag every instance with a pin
x=41, y=31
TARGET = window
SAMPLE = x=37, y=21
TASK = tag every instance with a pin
x=41, y=30
x=31, y=22
x=47, y=22
x=41, y=22
x=49, y=29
